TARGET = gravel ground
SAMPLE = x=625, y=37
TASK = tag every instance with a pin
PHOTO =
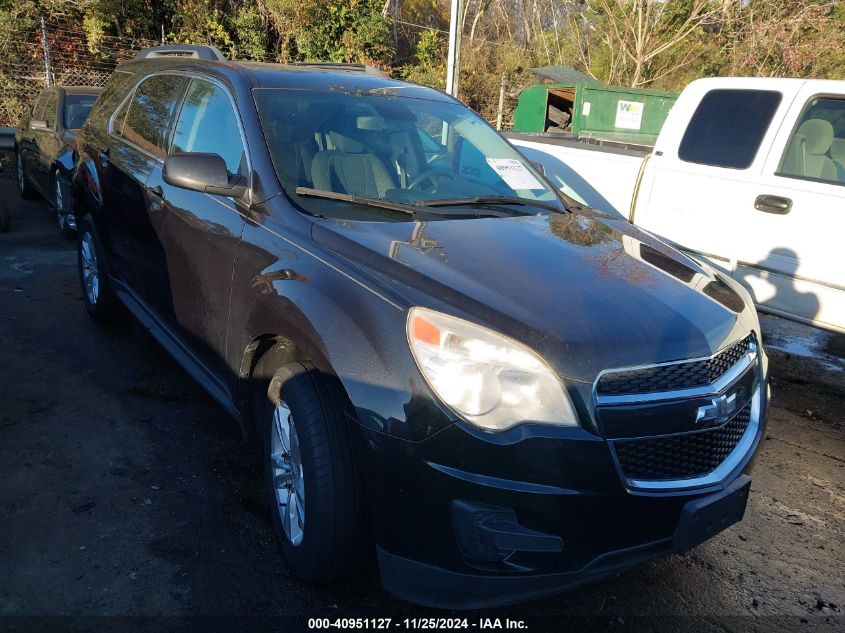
x=126, y=491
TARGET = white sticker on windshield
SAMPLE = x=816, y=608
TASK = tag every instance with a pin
x=514, y=173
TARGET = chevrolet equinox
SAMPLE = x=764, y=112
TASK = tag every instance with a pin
x=448, y=365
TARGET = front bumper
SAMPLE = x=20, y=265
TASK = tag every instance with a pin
x=443, y=588
x=465, y=520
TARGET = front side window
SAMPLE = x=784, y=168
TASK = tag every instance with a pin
x=38, y=106
x=50, y=108
x=816, y=149
x=727, y=127
x=76, y=110
x=146, y=118
x=207, y=123
x=416, y=150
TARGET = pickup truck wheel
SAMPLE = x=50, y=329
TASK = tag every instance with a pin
x=25, y=188
x=67, y=223
x=314, y=493
x=100, y=300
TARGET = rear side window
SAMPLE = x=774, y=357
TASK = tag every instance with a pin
x=728, y=126
x=144, y=119
x=816, y=149
x=207, y=123
x=50, y=108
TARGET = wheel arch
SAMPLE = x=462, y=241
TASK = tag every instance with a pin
x=260, y=359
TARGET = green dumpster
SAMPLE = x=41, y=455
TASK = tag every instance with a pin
x=585, y=108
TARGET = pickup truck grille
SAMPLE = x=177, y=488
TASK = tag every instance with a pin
x=672, y=376
x=681, y=456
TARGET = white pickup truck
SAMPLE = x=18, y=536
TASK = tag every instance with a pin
x=747, y=173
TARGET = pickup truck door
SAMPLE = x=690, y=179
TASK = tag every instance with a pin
x=699, y=183
x=794, y=261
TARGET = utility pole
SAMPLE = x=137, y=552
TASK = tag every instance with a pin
x=453, y=62
x=500, y=113
x=45, y=44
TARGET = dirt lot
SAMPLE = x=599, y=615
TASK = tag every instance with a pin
x=127, y=492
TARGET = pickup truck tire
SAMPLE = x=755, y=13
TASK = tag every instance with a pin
x=99, y=297
x=25, y=188
x=332, y=541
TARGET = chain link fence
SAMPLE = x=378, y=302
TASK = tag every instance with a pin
x=55, y=53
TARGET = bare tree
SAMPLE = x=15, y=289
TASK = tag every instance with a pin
x=640, y=36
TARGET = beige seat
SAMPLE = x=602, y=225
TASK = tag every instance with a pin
x=293, y=150
x=837, y=153
x=807, y=153
x=349, y=168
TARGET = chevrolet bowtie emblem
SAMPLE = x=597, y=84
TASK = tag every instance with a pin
x=718, y=411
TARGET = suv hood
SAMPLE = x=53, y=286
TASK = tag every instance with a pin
x=586, y=291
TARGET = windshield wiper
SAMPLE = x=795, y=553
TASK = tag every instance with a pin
x=488, y=200
x=348, y=197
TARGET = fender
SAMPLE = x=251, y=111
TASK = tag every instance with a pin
x=286, y=285
x=86, y=189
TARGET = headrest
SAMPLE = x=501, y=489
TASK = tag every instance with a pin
x=819, y=135
x=346, y=144
x=837, y=149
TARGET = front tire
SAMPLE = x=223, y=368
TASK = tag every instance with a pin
x=100, y=300
x=25, y=188
x=314, y=491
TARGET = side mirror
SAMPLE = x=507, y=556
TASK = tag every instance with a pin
x=38, y=124
x=202, y=172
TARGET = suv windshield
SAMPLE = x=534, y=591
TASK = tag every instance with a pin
x=381, y=147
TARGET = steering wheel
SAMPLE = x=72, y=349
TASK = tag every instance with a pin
x=432, y=176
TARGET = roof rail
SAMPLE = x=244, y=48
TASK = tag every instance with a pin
x=197, y=51
x=342, y=66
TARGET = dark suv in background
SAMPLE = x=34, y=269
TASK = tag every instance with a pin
x=500, y=392
x=45, y=146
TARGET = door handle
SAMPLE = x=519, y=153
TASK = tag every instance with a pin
x=773, y=204
x=156, y=197
x=105, y=157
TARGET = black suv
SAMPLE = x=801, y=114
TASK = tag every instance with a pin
x=45, y=146
x=447, y=362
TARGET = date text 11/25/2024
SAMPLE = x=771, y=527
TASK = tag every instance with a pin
x=408, y=624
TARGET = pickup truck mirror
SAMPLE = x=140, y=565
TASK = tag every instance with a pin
x=38, y=124
x=202, y=172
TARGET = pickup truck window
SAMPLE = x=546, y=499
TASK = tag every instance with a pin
x=728, y=126
x=386, y=146
x=816, y=150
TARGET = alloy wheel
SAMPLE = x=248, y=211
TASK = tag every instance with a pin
x=288, y=477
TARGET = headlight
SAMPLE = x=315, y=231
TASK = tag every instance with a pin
x=488, y=379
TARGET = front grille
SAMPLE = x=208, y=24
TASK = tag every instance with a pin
x=681, y=375
x=681, y=456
